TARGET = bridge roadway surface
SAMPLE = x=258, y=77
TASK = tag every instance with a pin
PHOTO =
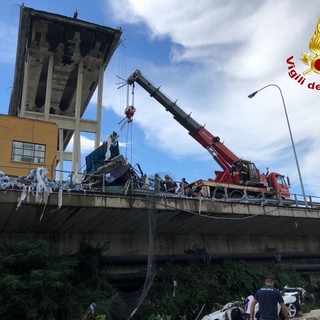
x=183, y=229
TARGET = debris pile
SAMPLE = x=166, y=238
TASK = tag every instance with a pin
x=37, y=184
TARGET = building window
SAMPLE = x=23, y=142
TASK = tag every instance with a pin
x=28, y=152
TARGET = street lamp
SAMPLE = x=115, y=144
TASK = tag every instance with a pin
x=292, y=142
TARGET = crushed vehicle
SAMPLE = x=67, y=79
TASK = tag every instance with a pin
x=230, y=311
x=293, y=302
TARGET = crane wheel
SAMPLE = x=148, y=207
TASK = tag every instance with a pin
x=236, y=194
x=218, y=194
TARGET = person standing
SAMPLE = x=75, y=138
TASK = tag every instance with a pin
x=248, y=306
x=184, y=187
x=158, y=183
x=112, y=146
x=170, y=184
x=243, y=173
x=268, y=298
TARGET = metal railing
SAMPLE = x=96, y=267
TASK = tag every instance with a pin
x=99, y=184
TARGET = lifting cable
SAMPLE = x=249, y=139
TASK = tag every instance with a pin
x=129, y=113
x=129, y=109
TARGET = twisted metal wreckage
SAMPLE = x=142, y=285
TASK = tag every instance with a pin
x=36, y=183
x=116, y=176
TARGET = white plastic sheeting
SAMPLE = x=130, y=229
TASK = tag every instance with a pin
x=39, y=185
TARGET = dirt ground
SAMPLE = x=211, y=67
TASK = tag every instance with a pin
x=312, y=315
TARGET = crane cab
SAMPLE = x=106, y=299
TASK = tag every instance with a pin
x=278, y=182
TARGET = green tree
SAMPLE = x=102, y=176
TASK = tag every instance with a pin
x=35, y=285
x=32, y=284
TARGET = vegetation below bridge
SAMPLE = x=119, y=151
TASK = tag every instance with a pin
x=34, y=285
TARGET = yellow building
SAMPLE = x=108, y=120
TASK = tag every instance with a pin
x=27, y=144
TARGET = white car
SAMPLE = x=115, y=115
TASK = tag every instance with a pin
x=293, y=302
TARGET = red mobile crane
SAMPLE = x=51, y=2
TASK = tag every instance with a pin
x=258, y=184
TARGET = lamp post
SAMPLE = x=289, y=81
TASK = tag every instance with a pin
x=292, y=142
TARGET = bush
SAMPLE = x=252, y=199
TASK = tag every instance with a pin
x=34, y=285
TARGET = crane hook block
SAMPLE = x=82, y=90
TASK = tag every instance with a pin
x=129, y=112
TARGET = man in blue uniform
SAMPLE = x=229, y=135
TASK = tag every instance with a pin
x=268, y=298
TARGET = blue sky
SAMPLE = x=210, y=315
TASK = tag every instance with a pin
x=209, y=55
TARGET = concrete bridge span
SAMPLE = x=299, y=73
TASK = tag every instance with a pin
x=183, y=229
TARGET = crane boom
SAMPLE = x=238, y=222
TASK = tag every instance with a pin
x=233, y=175
x=222, y=155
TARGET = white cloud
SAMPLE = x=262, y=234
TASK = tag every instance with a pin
x=221, y=52
x=87, y=145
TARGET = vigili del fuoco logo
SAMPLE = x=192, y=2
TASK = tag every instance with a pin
x=309, y=59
